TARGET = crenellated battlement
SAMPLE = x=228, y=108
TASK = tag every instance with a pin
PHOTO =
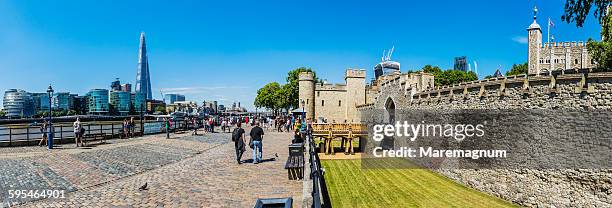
x=567, y=44
x=330, y=87
x=497, y=89
x=355, y=73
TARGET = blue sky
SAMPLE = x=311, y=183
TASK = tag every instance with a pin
x=226, y=50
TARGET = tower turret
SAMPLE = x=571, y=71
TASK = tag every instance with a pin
x=534, y=44
x=307, y=93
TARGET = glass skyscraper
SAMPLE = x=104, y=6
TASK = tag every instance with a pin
x=143, y=79
x=18, y=103
x=171, y=98
x=461, y=63
x=62, y=101
x=97, y=102
x=139, y=102
x=120, y=101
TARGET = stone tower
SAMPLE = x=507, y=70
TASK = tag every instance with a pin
x=355, y=93
x=535, y=44
x=307, y=93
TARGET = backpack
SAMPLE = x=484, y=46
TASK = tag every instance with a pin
x=235, y=135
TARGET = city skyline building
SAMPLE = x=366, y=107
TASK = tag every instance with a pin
x=171, y=98
x=127, y=87
x=41, y=101
x=79, y=104
x=120, y=101
x=461, y=63
x=97, y=101
x=62, y=101
x=386, y=65
x=143, y=78
x=18, y=103
x=116, y=85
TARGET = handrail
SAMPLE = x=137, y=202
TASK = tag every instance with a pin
x=355, y=128
x=29, y=133
x=319, y=189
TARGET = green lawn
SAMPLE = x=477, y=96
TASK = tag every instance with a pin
x=350, y=186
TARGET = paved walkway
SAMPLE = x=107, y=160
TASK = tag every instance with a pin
x=185, y=171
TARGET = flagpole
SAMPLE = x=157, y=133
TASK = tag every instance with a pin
x=548, y=32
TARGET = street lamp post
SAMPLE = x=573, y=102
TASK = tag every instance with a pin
x=303, y=111
x=50, y=125
x=141, y=122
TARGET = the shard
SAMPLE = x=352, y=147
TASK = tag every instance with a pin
x=143, y=79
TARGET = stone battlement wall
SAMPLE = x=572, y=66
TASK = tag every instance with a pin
x=527, y=187
x=587, y=91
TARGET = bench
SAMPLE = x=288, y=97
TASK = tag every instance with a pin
x=94, y=137
x=295, y=167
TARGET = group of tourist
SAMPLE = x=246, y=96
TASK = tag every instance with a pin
x=256, y=141
x=129, y=127
x=285, y=123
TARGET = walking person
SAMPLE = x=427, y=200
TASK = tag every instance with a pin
x=239, y=144
x=257, y=137
x=78, y=137
x=206, y=125
x=126, y=128
x=195, y=127
x=211, y=124
x=167, y=126
x=132, y=127
x=43, y=131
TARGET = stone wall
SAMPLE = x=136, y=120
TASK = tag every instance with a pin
x=527, y=187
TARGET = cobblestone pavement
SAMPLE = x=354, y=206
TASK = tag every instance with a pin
x=185, y=171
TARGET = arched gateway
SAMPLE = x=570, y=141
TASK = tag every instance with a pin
x=388, y=142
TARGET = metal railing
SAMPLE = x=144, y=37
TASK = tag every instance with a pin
x=320, y=197
x=21, y=135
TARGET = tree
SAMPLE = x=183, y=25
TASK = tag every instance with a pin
x=292, y=89
x=449, y=77
x=160, y=109
x=269, y=96
x=578, y=10
x=518, y=69
x=488, y=77
x=431, y=69
x=601, y=52
x=2, y=113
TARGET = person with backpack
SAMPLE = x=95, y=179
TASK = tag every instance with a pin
x=239, y=144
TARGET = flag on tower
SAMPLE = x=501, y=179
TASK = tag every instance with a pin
x=550, y=22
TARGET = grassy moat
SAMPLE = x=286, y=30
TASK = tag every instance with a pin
x=351, y=186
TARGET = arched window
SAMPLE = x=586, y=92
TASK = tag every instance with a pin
x=339, y=103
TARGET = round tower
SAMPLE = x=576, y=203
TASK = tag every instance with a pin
x=307, y=93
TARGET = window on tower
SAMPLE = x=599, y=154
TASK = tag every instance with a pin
x=322, y=102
